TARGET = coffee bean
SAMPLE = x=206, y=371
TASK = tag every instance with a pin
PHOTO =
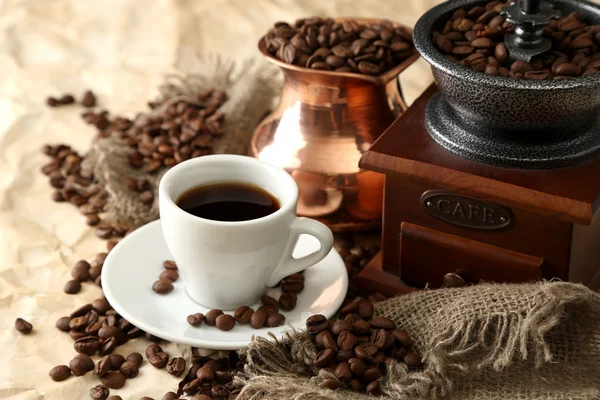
x=340, y=326
x=365, y=309
x=373, y=387
x=60, y=373
x=23, y=326
x=195, y=319
x=52, y=102
x=258, y=318
x=101, y=305
x=275, y=319
x=357, y=366
x=287, y=301
x=349, y=308
x=153, y=349
x=330, y=383
x=292, y=286
x=365, y=352
x=269, y=302
x=382, y=323
x=95, y=272
x=116, y=360
x=225, y=322
x=360, y=326
x=334, y=61
x=379, y=338
x=402, y=337
x=324, y=359
x=136, y=358
x=88, y=99
x=168, y=264
x=78, y=323
x=211, y=317
x=342, y=371
x=129, y=369
x=158, y=360
x=162, y=286
x=243, y=314
x=109, y=331
x=568, y=69
x=483, y=43
x=316, y=323
x=219, y=392
x=72, y=287
x=345, y=355
x=147, y=197
x=346, y=340
x=205, y=374
x=66, y=99
x=81, y=271
x=76, y=335
x=223, y=377
x=99, y=392
x=176, y=366
x=372, y=374
x=412, y=359
x=108, y=346
x=191, y=387
x=170, y=396
x=104, y=231
x=369, y=68
x=170, y=275
x=326, y=340
x=114, y=380
x=87, y=345
x=81, y=364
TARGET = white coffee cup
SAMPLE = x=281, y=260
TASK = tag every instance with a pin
x=225, y=265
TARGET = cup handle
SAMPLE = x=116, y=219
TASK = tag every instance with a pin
x=290, y=265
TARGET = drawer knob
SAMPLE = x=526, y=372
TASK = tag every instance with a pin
x=455, y=279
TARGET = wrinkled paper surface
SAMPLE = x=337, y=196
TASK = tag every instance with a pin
x=120, y=49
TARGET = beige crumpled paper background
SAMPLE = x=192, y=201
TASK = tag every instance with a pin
x=120, y=49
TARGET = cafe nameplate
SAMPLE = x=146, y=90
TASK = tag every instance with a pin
x=465, y=211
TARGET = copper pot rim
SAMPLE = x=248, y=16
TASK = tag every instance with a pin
x=381, y=79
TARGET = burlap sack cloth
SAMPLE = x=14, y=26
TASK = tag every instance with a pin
x=531, y=341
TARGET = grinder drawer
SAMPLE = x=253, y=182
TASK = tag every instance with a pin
x=426, y=255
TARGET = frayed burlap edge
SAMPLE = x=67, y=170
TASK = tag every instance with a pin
x=506, y=327
x=251, y=88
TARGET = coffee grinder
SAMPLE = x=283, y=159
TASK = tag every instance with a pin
x=491, y=178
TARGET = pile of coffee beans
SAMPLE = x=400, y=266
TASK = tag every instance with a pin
x=173, y=132
x=267, y=315
x=474, y=38
x=356, y=348
x=342, y=46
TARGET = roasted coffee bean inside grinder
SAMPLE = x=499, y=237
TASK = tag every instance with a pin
x=228, y=201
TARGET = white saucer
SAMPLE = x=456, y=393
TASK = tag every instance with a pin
x=135, y=263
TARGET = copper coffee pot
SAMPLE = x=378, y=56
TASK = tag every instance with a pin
x=324, y=123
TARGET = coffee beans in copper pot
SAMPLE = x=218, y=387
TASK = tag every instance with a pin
x=474, y=38
x=342, y=46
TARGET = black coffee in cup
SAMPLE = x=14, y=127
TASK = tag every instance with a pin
x=228, y=201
